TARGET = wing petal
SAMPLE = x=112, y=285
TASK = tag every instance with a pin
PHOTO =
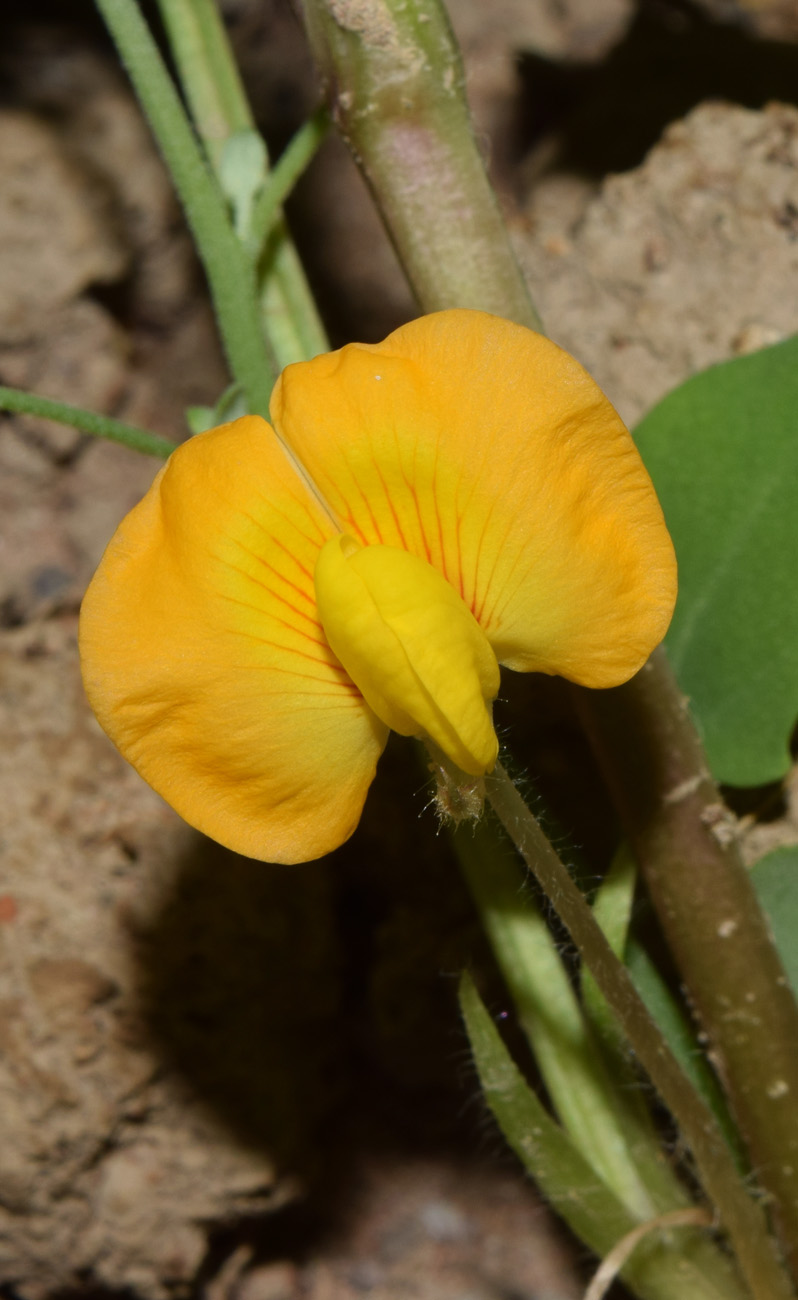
x=205, y=661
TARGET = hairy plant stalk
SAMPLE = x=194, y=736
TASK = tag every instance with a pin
x=686, y=844
x=213, y=88
x=284, y=176
x=220, y=108
x=229, y=272
x=99, y=426
x=394, y=78
x=395, y=83
x=742, y=1217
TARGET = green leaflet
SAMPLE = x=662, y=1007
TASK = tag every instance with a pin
x=665, y=1266
x=612, y=908
x=775, y=879
x=723, y=453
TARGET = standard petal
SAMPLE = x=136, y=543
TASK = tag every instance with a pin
x=486, y=450
x=205, y=662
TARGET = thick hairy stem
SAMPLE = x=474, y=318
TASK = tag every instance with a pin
x=220, y=108
x=685, y=841
x=741, y=1217
x=230, y=276
x=395, y=83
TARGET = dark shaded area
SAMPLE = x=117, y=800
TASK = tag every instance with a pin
x=765, y=803
x=607, y=116
x=314, y=1010
x=291, y=998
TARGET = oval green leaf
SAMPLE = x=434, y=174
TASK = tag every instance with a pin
x=775, y=879
x=723, y=453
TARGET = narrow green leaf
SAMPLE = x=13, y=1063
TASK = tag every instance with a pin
x=681, y=1039
x=593, y=1086
x=284, y=176
x=569, y=1181
x=666, y=1265
x=612, y=908
x=229, y=271
x=775, y=879
x=212, y=85
x=723, y=453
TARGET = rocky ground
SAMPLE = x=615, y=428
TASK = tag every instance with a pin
x=251, y=1083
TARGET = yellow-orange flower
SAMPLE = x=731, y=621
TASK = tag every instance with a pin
x=418, y=511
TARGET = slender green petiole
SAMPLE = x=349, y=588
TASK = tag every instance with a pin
x=214, y=92
x=212, y=85
x=99, y=426
x=284, y=176
x=229, y=270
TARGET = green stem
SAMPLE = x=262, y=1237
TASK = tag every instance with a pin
x=208, y=72
x=742, y=1218
x=100, y=426
x=289, y=314
x=230, y=274
x=284, y=176
x=395, y=82
x=210, y=78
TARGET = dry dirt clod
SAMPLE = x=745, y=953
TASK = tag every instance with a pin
x=678, y=264
x=775, y=20
x=108, y=1165
x=55, y=238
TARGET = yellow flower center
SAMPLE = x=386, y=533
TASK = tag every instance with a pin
x=411, y=646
